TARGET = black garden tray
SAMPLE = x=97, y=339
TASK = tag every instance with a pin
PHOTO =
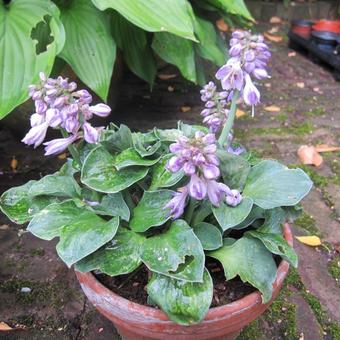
x=316, y=54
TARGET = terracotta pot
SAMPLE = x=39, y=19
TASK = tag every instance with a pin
x=327, y=26
x=135, y=321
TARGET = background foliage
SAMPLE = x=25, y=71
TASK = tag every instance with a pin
x=86, y=34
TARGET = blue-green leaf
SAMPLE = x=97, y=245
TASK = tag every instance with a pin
x=271, y=184
x=177, y=253
x=248, y=258
x=185, y=303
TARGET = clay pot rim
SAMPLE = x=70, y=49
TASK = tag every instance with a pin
x=235, y=307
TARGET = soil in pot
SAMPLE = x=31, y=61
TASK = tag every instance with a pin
x=133, y=286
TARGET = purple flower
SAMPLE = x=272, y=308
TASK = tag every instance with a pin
x=36, y=119
x=91, y=134
x=177, y=203
x=216, y=192
x=56, y=146
x=231, y=75
x=237, y=150
x=251, y=94
x=197, y=187
x=36, y=135
x=234, y=198
x=101, y=110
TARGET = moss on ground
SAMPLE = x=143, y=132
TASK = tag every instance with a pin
x=307, y=223
x=332, y=328
x=251, y=332
x=334, y=268
x=297, y=130
x=315, y=112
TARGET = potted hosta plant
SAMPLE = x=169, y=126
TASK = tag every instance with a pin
x=167, y=205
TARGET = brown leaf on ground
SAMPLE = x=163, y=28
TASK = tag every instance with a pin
x=221, y=25
x=14, y=163
x=273, y=38
x=171, y=88
x=309, y=155
x=273, y=30
x=166, y=76
x=272, y=108
x=301, y=84
x=4, y=227
x=291, y=54
x=275, y=20
x=326, y=148
x=5, y=327
x=337, y=249
x=312, y=241
x=185, y=108
x=62, y=155
x=239, y=113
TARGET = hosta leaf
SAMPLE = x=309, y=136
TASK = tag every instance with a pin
x=161, y=177
x=248, y=258
x=137, y=53
x=83, y=236
x=177, y=253
x=154, y=15
x=117, y=140
x=209, y=235
x=89, y=47
x=22, y=56
x=80, y=230
x=120, y=256
x=228, y=217
x=19, y=206
x=146, y=144
x=150, y=211
x=234, y=169
x=272, y=185
x=177, y=51
x=276, y=244
x=99, y=172
x=185, y=303
x=113, y=205
x=55, y=185
x=208, y=47
x=255, y=214
x=130, y=157
x=168, y=135
x=236, y=7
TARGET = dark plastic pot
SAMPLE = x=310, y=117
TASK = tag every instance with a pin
x=327, y=26
x=302, y=27
x=325, y=40
x=134, y=321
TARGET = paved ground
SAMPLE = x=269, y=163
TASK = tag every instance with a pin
x=308, y=308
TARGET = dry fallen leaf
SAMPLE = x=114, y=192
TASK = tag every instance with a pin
x=268, y=85
x=239, y=113
x=312, y=241
x=337, y=249
x=275, y=20
x=171, y=88
x=14, y=163
x=221, y=25
x=185, y=109
x=166, y=76
x=309, y=155
x=301, y=85
x=272, y=108
x=274, y=29
x=326, y=148
x=273, y=38
x=5, y=327
x=62, y=155
x=4, y=227
x=292, y=54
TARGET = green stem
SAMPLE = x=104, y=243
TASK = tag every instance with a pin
x=190, y=210
x=230, y=121
x=71, y=148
